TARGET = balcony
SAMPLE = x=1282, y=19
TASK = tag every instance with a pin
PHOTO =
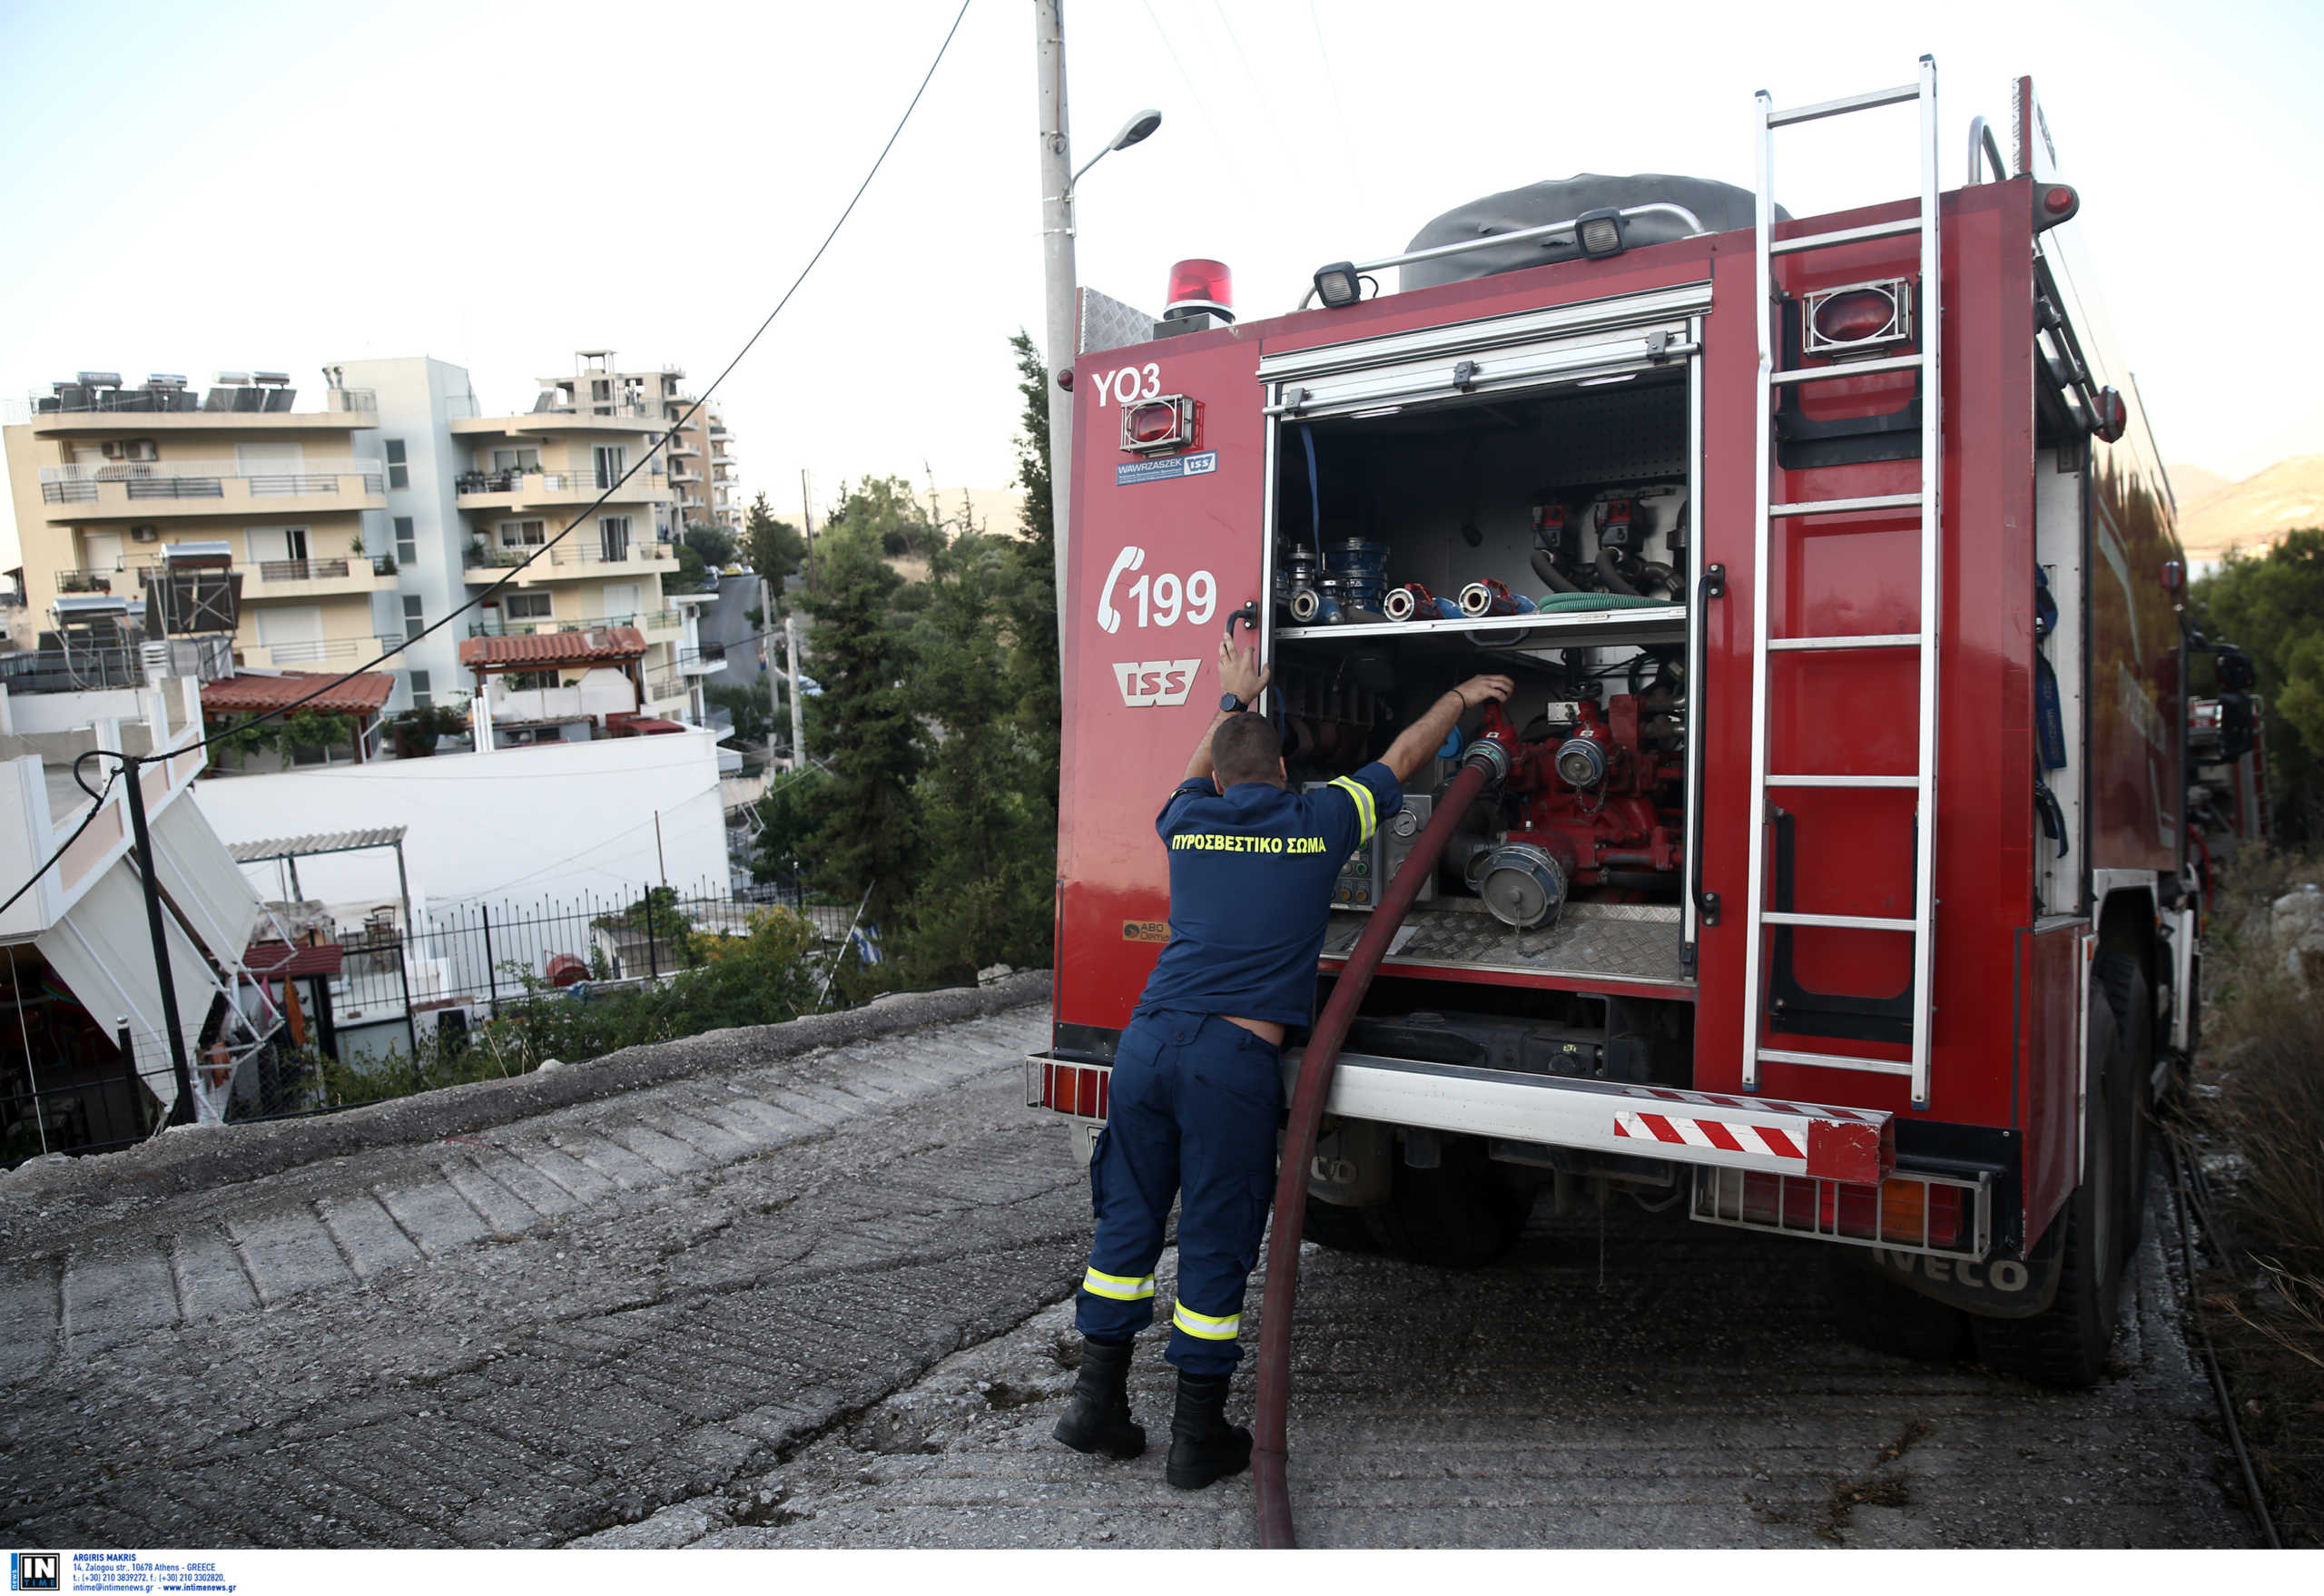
x=584, y=552
x=706, y=660
x=323, y=578
x=122, y=491
x=649, y=622
x=485, y=490
x=338, y=654
x=672, y=688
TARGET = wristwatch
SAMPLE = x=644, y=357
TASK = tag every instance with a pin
x=1230, y=704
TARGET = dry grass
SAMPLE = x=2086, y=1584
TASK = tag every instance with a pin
x=2260, y=1131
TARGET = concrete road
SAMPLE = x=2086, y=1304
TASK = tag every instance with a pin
x=818, y=1301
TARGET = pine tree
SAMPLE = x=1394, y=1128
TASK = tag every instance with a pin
x=863, y=726
x=773, y=547
x=1029, y=602
x=987, y=847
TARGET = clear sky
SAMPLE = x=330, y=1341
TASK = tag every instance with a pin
x=276, y=185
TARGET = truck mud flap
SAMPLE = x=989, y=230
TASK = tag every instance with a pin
x=2000, y=1287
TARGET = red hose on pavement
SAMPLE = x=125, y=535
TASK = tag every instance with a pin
x=1269, y=1449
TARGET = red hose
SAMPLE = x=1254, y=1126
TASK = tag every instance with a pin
x=1269, y=1449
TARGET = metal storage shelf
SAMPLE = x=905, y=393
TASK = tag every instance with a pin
x=1664, y=623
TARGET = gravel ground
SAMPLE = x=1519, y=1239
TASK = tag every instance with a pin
x=785, y=1296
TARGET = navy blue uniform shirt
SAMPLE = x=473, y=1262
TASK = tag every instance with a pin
x=1251, y=874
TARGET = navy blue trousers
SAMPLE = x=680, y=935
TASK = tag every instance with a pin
x=1192, y=1115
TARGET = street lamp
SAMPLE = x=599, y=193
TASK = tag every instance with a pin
x=1135, y=131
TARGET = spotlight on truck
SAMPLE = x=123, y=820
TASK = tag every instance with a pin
x=1339, y=286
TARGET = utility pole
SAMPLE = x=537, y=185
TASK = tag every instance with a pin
x=766, y=654
x=807, y=516
x=181, y=1112
x=1060, y=284
x=798, y=707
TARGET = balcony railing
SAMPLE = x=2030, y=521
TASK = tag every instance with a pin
x=358, y=402
x=301, y=570
x=78, y=670
x=702, y=661
x=320, y=650
x=574, y=551
x=82, y=581
x=657, y=620
x=661, y=689
x=541, y=483
x=150, y=479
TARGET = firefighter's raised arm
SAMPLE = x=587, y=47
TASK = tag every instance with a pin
x=1425, y=735
x=1239, y=673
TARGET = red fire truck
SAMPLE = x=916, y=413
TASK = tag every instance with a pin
x=1832, y=880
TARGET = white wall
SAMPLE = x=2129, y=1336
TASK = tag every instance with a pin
x=511, y=827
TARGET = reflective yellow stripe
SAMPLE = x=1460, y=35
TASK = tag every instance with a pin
x=1120, y=1288
x=1365, y=810
x=1203, y=1326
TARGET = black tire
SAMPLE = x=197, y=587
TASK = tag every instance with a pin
x=2127, y=993
x=1874, y=1312
x=1465, y=1213
x=2068, y=1342
x=1338, y=1226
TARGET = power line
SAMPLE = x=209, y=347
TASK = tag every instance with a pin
x=94, y=810
x=880, y=159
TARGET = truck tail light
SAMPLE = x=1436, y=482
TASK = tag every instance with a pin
x=2113, y=416
x=1200, y=288
x=1154, y=426
x=1901, y=1209
x=1075, y=1088
x=1862, y=317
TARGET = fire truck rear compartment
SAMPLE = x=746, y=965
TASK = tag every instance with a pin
x=1562, y=519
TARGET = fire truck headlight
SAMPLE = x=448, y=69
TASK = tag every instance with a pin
x=1338, y=286
x=1599, y=232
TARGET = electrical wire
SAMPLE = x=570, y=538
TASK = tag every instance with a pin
x=587, y=511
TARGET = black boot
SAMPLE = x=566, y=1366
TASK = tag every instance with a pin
x=1097, y=1420
x=1203, y=1445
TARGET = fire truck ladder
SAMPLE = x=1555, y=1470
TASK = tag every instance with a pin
x=1759, y=917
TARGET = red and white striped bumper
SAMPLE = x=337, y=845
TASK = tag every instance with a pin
x=1852, y=1146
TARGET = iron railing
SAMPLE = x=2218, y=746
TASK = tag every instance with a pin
x=527, y=627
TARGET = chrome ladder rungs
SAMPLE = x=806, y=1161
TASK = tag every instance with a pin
x=1871, y=99
x=1868, y=640
x=1844, y=235
x=1838, y=921
x=1843, y=506
x=1806, y=781
x=1835, y=1061
x=1848, y=369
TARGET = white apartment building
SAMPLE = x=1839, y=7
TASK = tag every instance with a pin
x=471, y=493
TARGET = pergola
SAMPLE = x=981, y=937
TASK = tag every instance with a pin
x=267, y=850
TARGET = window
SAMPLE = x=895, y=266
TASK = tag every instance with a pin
x=523, y=533
x=421, y=697
x=399, y=473
x=613, y=538
x=516, y=459
x=407, y=542
x=526, y=606
x=613, y=459
x=531, y=681
x=414, y=621
x=601, y=391
x=276, y=545
x=621, y=603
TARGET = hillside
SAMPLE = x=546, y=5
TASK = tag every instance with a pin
x=2249, y=514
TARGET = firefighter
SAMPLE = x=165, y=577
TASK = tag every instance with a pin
x=1198, y=1085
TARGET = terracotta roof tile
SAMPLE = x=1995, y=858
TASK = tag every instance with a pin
x=596, y=645
x=365, y=693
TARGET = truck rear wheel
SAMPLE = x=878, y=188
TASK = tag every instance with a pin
x=1876, y=1313
x=2068, y=1342
x=1464, y=1212
x=1338, y=1226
